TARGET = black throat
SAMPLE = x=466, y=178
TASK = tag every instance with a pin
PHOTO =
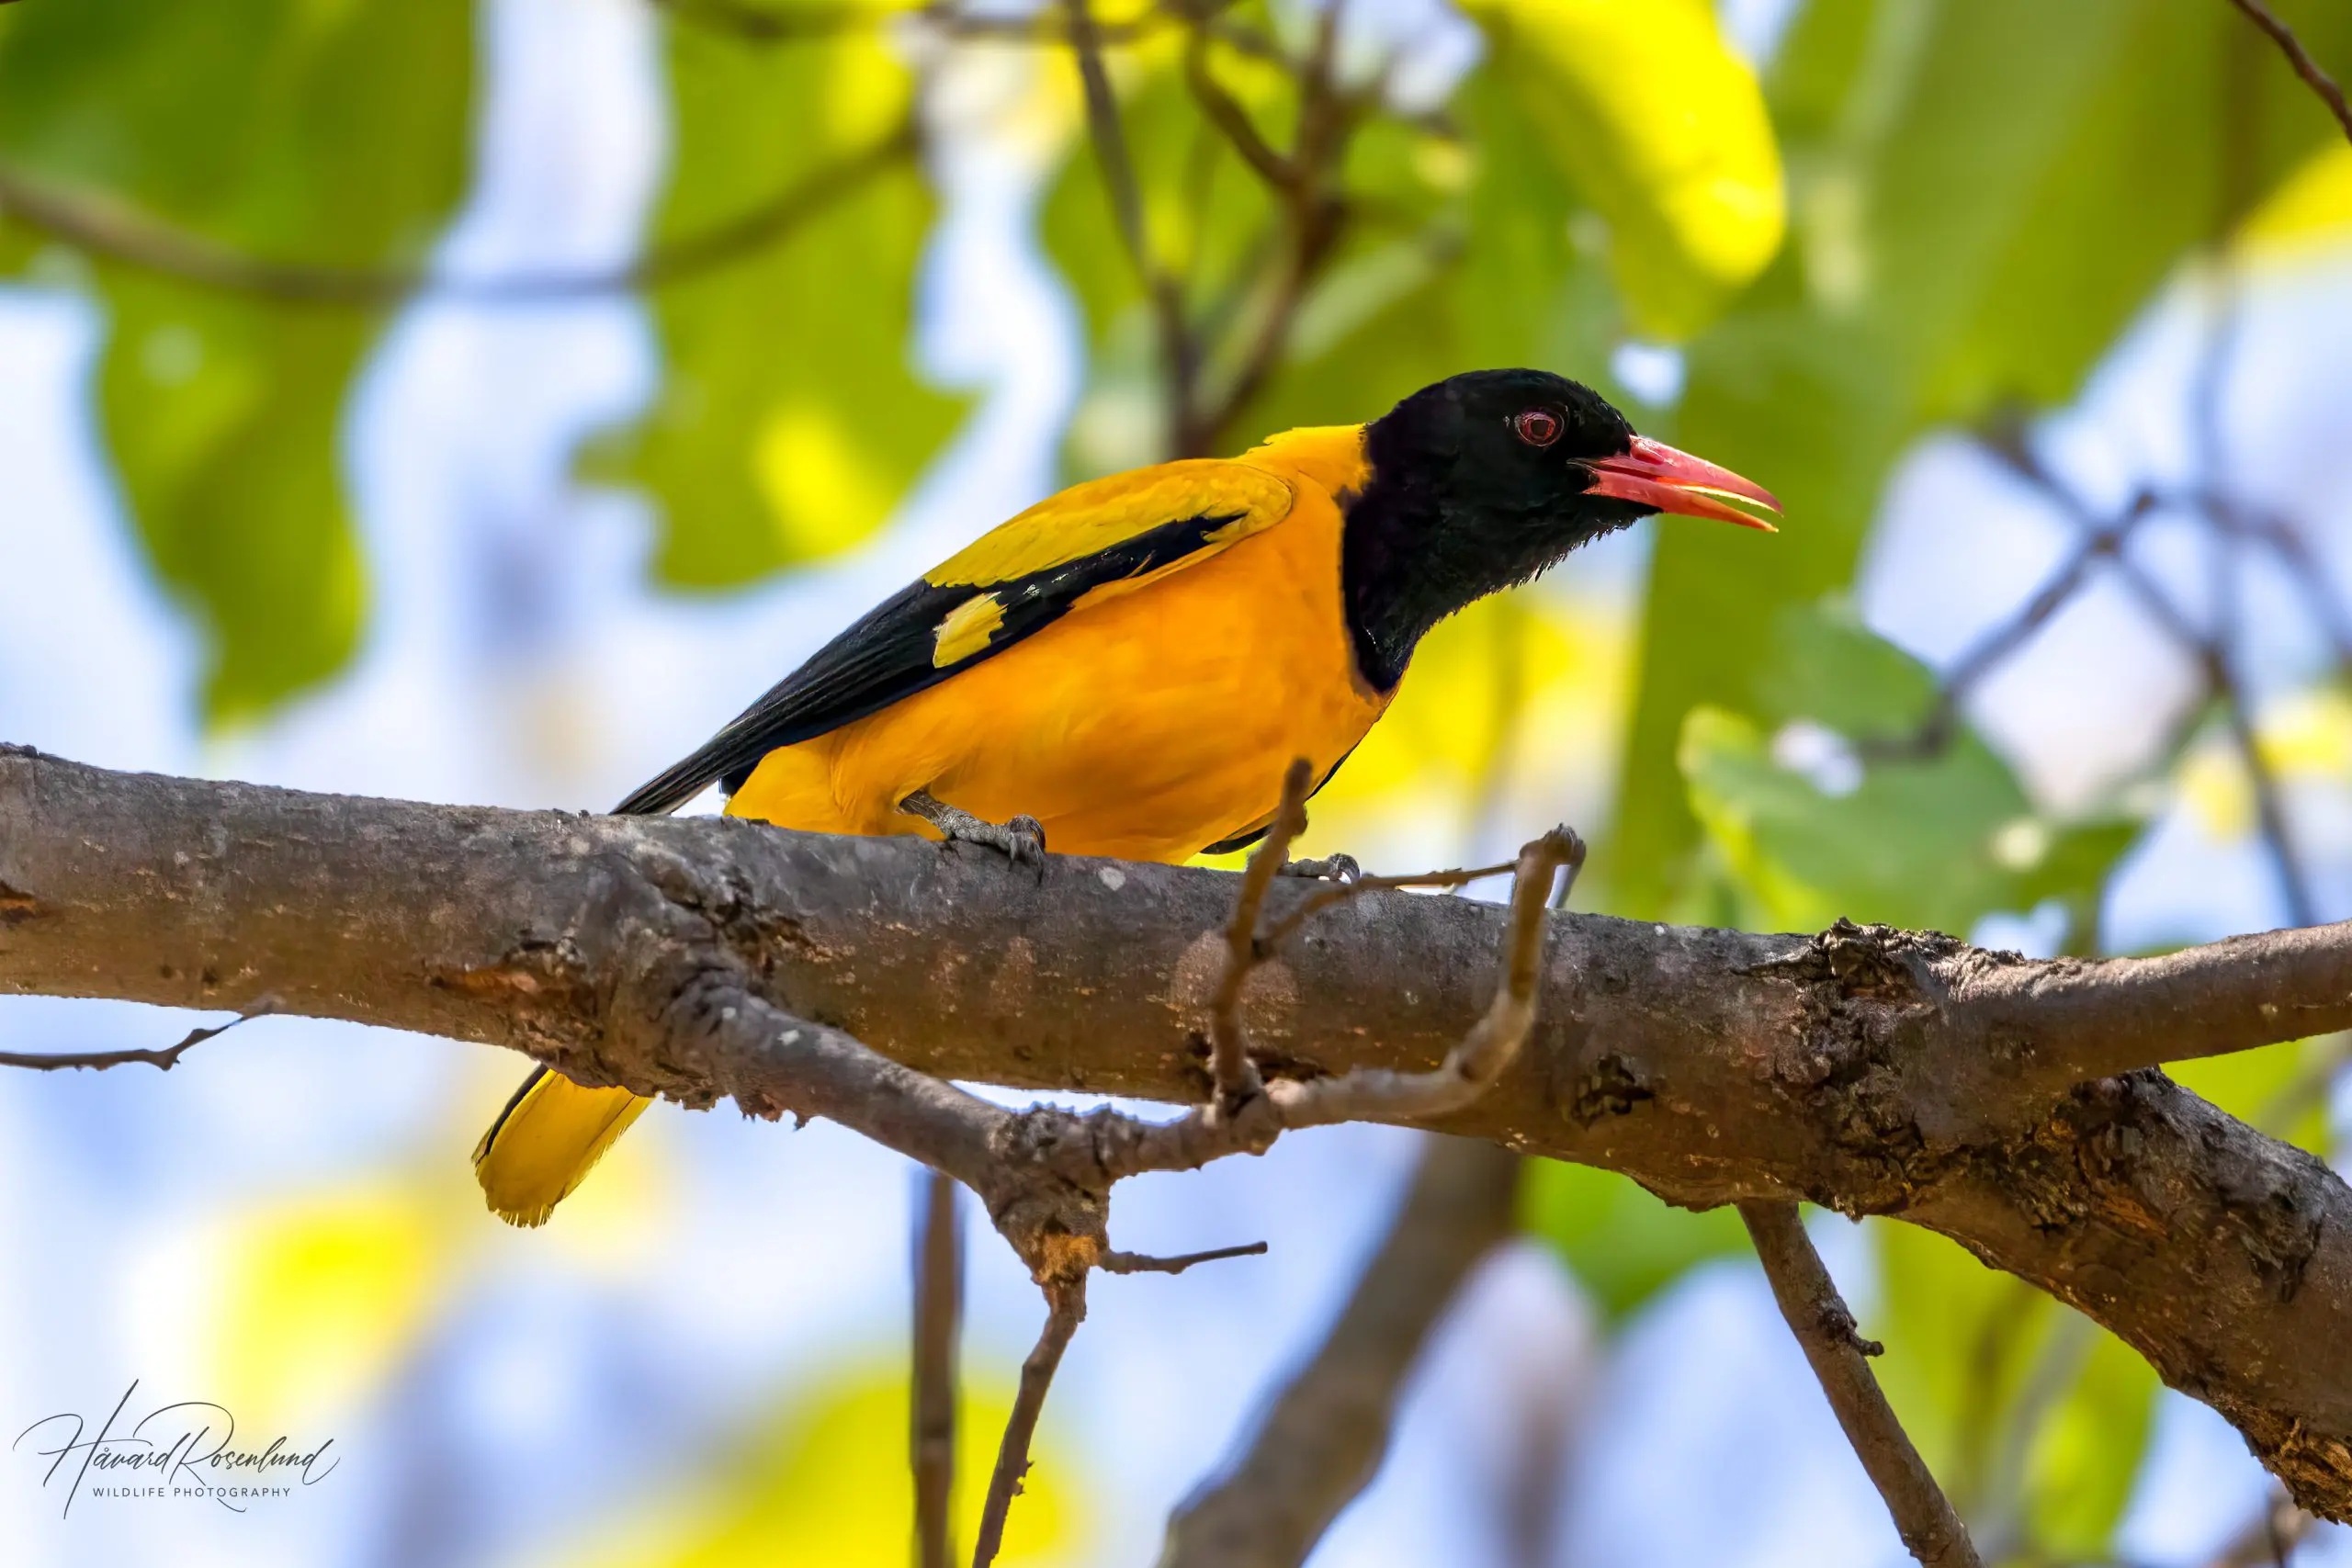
x=1391, y=604
x=1418, y=544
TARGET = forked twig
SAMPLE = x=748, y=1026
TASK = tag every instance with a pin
x=1243, y=1114
x=1121, y=1146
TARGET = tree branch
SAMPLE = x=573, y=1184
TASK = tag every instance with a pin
x=2319, y=81
x=1817, y=1315
x=1322, y=1440
x=1870, y=1070
x=105, y=226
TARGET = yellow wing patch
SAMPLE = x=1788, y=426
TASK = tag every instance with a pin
x=966, y=629
x=1089, y=518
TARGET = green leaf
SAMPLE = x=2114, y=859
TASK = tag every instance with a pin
x=790, y=420
x=1623, y=1243
x=1985, y=194
x=1939, y=842
x=325, y=132
x=2086, y=1456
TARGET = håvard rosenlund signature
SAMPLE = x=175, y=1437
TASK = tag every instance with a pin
x=181, y=1449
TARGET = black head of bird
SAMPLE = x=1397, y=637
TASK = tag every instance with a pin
x=1482, y=481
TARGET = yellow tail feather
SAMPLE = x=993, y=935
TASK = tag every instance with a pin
x=545, y=1141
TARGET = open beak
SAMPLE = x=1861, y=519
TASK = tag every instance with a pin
x=1654, y=474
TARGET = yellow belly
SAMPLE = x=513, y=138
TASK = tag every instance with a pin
x=1145, y=725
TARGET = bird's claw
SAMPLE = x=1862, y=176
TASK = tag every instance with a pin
x=1021, y=838
x=1330, y=868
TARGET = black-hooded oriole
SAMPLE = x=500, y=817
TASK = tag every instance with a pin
x=1128, y=667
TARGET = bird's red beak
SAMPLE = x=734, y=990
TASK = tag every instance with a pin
x=1654, y=474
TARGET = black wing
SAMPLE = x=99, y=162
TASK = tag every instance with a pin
x=914, y=639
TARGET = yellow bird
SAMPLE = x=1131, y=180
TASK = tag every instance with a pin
x=1127, y=668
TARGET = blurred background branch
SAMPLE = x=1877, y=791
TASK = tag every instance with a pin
x=100, y=224
x=1323, y=1435
x=938, y=1324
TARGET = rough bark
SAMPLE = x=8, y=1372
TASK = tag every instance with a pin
x=1868, y=1070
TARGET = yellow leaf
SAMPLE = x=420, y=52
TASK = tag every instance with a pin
x=1664, y=130
x=2305, y=737
x=824, y=491
x=313, y=1300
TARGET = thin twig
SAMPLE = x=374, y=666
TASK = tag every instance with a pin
x=1326, y=895
x=2305, y=571
x=1226, y=113
x=938, y=1320
x=2005, y=641
x=1142, y=1263
x=1065, y=1309
x=1235, y=1079
x=1321, y=1439
x=2290, y=46
x=107, y=227
x=1315, y=217
x=163, y=1060
x=2206, y=395
x=1825, y=1330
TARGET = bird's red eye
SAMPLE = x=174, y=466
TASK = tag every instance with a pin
x=1537, y=427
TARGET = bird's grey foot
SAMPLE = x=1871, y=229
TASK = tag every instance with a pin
x=1330, y=868
x=1021, y=840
